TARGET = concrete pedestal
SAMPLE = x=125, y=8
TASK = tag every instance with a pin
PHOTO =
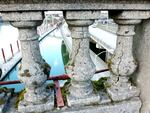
x=47, y=105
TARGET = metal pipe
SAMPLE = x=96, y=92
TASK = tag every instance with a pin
x=18, y=46
x=59, y=77
x=10, y=82
x=11, y=48
x=3, y=55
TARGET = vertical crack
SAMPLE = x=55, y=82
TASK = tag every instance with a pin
x=120, y=58
x=76, y=53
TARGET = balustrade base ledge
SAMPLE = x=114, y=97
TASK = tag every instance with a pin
x=129, y=106
x=48, y=105
x=123, y=93
x=105, y=105
x=92, y=99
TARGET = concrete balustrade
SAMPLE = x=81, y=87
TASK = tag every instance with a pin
x=80, y=65
x=33, y=71
x=120, y=97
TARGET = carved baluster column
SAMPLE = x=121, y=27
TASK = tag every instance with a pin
x=80, y=66
x=33, y=71
x=123, y=64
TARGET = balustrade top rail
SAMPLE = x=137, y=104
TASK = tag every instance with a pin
x=37, y=5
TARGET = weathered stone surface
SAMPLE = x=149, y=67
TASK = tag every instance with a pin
x=26, y=5
x=122, y=89
x=70, y=1
x=22, y=16
x=33, y=71
x=122, y=63
x=142, y=53
x=104, y=98
x=81, y=23
x=47, y=105
x=88, y=100
x=130, y=106
x=80, y=65
x=95, y=99
x=85, y=15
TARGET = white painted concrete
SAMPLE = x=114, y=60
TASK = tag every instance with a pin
x=104, y=38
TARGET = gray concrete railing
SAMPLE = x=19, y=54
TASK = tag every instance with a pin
x=80, y=15
x=26, y=5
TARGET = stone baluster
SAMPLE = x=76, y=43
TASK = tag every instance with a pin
x=81, y=66
x=123, y=64
x=33, y=71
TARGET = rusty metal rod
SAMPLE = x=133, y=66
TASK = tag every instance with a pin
x=18, y=46
x=11, y=48
x=59, y=77
x=3, y=55
x=10, y=82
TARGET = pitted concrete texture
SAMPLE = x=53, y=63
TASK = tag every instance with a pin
x=83, y=15
x=70, y=1
x=100, y=98
x=48, y=105
x=22, y=16
x=26, y=5
x=80, y=101
x=121, y=90
x=104, y=106
x=122, y=93
x=131, y=106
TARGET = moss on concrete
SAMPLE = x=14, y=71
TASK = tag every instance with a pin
x=2, y=101
x=101, y=84
x=109, y=63
x=65, y=91
x=20, y=97
x=50, y=86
